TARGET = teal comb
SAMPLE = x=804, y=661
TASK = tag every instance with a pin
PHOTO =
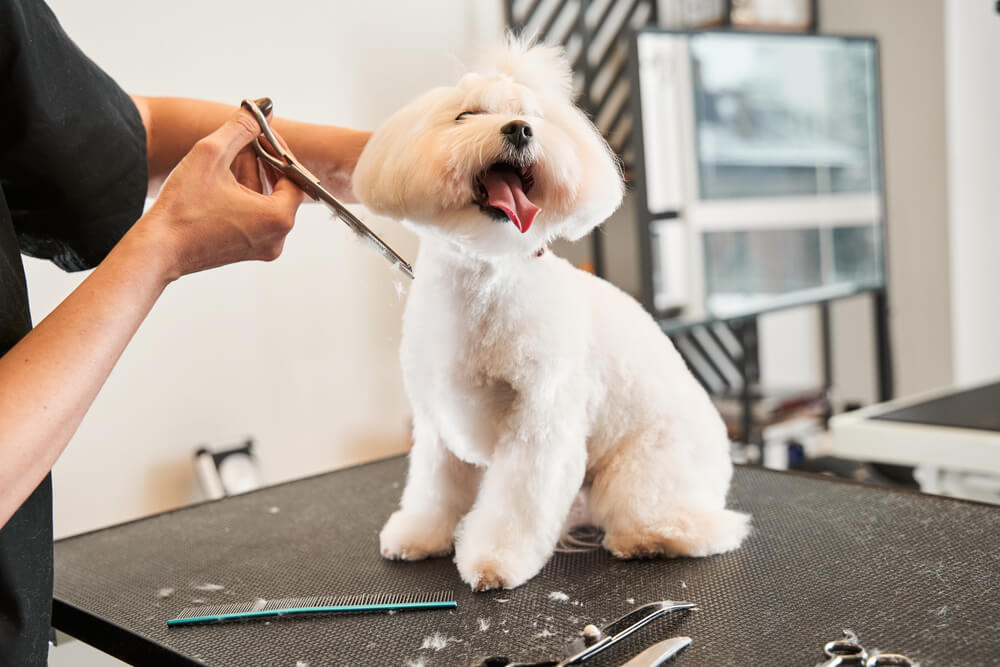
x=314, y=605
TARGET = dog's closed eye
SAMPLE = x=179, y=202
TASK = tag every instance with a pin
x=466, y=113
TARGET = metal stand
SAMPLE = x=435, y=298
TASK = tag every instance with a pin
x=883, y=348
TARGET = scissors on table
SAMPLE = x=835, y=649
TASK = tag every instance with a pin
x=847, y=651
x=274, y=154
x=595, y=640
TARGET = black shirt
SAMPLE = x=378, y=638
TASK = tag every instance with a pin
x=72, y=182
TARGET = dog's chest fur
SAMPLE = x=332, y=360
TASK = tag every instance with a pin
x=476, y=339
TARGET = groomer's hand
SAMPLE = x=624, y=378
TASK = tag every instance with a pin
x=214, y=210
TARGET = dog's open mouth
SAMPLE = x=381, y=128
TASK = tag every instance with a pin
x=502, y=193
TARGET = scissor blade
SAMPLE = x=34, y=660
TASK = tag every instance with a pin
x=361, y=229
x=292, y=169
x=659, y=653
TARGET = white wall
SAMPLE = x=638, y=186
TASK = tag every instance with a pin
x=912, y=47
x=972, y=29
x=941, y=95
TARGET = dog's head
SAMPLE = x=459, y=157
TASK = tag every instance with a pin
x=500, y=163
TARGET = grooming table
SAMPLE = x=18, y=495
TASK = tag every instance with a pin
x=951, y=428
x=909, y=573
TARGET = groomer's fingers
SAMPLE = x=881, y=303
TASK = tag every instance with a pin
x=286, y=195
x=246, y=170
x=267, y=179
x=267, y=174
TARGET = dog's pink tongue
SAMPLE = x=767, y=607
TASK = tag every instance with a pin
x=505, y=193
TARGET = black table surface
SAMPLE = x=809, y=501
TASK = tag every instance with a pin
x=907, y=572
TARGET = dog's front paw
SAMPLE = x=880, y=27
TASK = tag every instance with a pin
x=413, y=536
x=487, y=573
x=491, y=568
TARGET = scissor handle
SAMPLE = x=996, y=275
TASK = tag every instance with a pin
x=259, y=108
x=626, y=625
x=845, y=651
x=290, y=169
x=845, y=647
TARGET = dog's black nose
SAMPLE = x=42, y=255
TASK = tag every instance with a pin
x=517, y=132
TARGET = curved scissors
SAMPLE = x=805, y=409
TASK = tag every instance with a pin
x=847, y=651
x=276, y=156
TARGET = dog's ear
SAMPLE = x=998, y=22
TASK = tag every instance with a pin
x=540, y=67
x=392, y=161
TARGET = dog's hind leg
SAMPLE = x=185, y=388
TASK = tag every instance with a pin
x=652, y=501
x=439, y=490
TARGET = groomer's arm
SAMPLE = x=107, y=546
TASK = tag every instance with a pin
x=203, y=218
x=174, y=124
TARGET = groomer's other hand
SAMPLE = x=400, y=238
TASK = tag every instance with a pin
x=213, y=210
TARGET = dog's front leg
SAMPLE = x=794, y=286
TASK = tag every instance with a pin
x=525, y=495
x=439, y=490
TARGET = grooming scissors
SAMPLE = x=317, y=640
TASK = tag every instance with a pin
x=276, y=156
x=592, y=643
x=847, y=651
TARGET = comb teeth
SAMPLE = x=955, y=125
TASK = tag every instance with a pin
x=368, y=602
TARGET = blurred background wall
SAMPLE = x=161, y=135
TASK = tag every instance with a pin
x=972, y=50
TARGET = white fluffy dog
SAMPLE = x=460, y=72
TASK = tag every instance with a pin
x=529, y=379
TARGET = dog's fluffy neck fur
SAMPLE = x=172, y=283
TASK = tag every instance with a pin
x=489, y=302
x=477, y=278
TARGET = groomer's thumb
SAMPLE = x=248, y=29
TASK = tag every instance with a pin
x=235, y=134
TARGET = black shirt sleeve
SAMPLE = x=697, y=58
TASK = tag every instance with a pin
x=72, y=144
